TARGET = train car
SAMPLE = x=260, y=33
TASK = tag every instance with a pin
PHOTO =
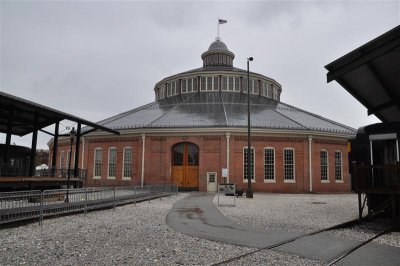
x=18, y=161
x=375, y=168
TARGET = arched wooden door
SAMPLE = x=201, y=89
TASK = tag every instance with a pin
x=185, y=166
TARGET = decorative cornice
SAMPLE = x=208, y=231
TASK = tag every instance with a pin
x=221, y=131
x=274, y=139
x=158, y=138
x=330, y=141
x=212, y=137
x=110, y=139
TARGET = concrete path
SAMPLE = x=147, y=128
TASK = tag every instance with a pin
x=197, y=216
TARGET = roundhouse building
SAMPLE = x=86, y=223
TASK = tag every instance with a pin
x=197, y=126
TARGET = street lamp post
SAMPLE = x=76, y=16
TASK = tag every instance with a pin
x=71, y=137
x=249, y=192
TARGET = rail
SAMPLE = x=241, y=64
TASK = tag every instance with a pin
x=9, y=171
x=28, y=205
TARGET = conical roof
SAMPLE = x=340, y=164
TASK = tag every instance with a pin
x=218, y=45
x=216, y=110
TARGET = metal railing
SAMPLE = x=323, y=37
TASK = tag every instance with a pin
x=35, y=204
x=55, y=172
x=19, y=170
x=376, y=177
x=6, y=170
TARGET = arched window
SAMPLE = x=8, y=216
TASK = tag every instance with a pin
x=185, y=154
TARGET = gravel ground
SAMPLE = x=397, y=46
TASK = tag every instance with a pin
x=368, y=230
x=268, y=257
x=129, y=235
x=291, y=212
x=305, y=213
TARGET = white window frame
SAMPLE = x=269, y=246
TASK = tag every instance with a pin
x=169, y=89
x=226, y=83
x=108, y=163
x=203, y=82
x=189, y=88
x=327, y=165
x=341, y=167
x=253, y=180
x=274, y=93
x=269, y=92
x=68, y=157
x=244, y=83
x=236, y=84
x=294, y=166
x=215, y=88
x=197, y=87
x=184, y=81
x=253, y=85
x=62, y=158
x=274, y=166
x=212, y=83
x=123, y=164
x=265, y=88
x=94, y=163
x=172, y=84
x=212, y=173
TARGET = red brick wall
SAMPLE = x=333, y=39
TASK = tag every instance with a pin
x=212, y=158
x=332, y=185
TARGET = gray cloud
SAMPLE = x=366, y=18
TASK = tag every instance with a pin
x=97, y=59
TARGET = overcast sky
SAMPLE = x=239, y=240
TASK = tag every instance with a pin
x=95, y=59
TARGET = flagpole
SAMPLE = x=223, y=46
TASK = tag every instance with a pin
x=218, y=28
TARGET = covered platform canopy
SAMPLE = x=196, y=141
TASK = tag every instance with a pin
x=371, y=74
x=20, y=117
x=26, y=116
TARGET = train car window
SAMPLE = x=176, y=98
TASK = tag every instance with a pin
x=384, y=152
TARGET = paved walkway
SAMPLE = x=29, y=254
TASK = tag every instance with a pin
x=197, y=216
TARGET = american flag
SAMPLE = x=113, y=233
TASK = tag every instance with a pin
x=222, y=21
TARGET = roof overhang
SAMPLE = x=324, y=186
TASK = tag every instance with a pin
x=370, y=74
x=26, y=116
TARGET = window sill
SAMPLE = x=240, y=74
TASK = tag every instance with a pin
x=111, y=177
x=97, y=177
x=325, y=181
x=269, y=181
x=339, y=181
x=289, y=181
x=127, y=178
x=246, y=181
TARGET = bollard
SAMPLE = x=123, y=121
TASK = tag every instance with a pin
x=86, y=197
x=134, y=194
x=114, y=199
x=41, y=209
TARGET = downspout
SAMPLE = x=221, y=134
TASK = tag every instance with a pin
x=83, y=151
x=228, y=135
x=397, y=150
x=372, y=155
x=309, y=161
x=83, y=156
x=143, y=150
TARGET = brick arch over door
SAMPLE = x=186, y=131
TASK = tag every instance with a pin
x=185, y=165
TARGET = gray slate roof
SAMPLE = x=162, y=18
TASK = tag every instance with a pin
x=218, y=45
x=221, y=109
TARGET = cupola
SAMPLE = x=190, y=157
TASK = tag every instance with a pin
x=218, y=55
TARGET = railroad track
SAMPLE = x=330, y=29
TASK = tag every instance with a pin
x=334, y=260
